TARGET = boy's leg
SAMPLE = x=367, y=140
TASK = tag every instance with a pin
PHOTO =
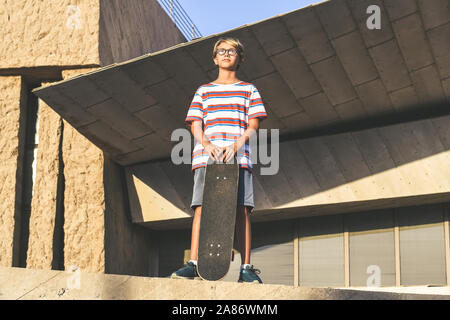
x=195, y=232
x=189, y=271
x=243, y=233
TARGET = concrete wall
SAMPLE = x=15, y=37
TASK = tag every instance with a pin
x=374, y=168
x=132, y=28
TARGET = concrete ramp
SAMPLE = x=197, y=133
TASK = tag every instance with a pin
x=29, y=284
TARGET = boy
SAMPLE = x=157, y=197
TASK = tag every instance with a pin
x=229, y=111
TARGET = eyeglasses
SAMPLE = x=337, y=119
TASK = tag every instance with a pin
x=231, y=52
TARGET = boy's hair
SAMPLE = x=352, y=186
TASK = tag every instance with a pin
x=233, y=42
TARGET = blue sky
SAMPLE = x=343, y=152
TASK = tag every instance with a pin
x=210, y=15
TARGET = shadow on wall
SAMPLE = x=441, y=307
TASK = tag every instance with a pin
x=325, y=160
x=129, y=248
x=160, y=188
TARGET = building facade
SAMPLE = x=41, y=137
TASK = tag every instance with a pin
x=362, y=191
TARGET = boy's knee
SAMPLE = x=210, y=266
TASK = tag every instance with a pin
x=198, y=210
x=242, y=210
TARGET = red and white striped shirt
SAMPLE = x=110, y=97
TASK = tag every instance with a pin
x=225, y=111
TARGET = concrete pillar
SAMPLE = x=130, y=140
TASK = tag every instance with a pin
x=13, y=101
x=43, y=251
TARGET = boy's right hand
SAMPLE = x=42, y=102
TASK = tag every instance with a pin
x=214, y=152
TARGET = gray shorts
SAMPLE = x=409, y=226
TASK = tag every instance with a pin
x=245, y=188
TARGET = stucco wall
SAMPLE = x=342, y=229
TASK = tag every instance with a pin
x=78, y=214
x=81, y=32
x=44, y=201
x=11, y=139
x=98, y=235
x=49, y=33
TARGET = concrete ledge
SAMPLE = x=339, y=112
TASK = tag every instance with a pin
x=442, y=291
x=29, y=284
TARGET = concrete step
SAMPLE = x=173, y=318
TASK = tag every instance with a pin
x=30, y=284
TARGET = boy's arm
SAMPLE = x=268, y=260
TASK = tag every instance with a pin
x=230, y=151
x=253, y=126
x=197, y=131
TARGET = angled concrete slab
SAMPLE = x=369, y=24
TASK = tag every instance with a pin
x=446, y=86
x=428, y=85
x=118, y=118
x=306, y=29
x=334, y=80
x=314, y=67
x=336, y=18
x=319, y=109
x=399, y=8
x=273, y=36
x=295, y=72
x=375, y=98
x=182, y=70
x=412, y=41
x=278, y=95
x=258, y=63
x=371, y=37
x=404, y=99
x=120, y=86
x=440, y=45
x=351, y=110
x=390, y=65
x=434, y=13
x=354, y=57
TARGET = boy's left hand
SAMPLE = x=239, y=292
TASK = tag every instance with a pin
x=230, y=151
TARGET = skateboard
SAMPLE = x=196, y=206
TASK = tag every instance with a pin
x=220, y=191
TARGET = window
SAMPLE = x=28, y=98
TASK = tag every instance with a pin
x=321, y=251
x=372, y=248
x=422, y=246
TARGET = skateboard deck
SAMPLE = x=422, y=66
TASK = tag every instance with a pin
x=220, y=191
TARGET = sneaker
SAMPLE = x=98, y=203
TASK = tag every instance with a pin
x=189, y=271
x=250, y=274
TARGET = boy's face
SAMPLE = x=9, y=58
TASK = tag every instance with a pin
x=226, y=61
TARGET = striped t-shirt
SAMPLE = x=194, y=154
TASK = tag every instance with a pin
x=225, y=111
